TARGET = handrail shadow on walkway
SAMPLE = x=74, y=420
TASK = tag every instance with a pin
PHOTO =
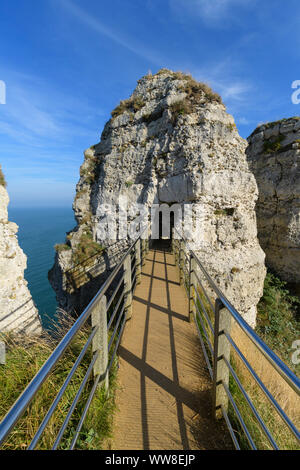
x=183, y=397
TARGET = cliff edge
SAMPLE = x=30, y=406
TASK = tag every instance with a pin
x=274, y=156
x=17, y=310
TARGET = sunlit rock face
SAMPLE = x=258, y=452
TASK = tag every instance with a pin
x=17, y=310
x=274, y=158
x=173, y=142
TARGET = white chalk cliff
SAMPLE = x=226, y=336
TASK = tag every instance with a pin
x=172, y=141
x=274, y=156
x=17, y=309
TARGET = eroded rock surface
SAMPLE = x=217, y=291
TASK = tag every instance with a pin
x=173, y=142
x=274, y=156
x=17, y=310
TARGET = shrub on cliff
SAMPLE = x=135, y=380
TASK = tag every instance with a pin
x=59, y=247
x=86, y=248
x=2, y=179
x=271, y=145
x=133, y=104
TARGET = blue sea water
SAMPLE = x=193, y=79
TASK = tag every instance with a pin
x=39, y=230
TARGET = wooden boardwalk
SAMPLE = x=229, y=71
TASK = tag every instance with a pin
x=164, y=394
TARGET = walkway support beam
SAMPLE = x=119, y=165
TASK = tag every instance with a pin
x=221, y=353
x=138, y=261
x=181, y=262
x=100, y=342
x=143, y=252
x=128, y=287
x=192, y=289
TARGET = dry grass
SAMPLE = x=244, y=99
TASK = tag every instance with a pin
x=277, y=302
x=132, y=105
x=25, y=356
x=281, y=391
x=2, y=179
x=197, y=93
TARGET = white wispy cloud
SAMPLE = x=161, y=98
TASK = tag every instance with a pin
x=95, y=24
x=43, y=132
x=37, y=114
x=211, y=11
x=225, y=78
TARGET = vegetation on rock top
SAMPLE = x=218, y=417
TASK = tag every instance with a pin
x=133, y=104
x=2, y=179
x=270, y=125
x=195, y=91
x=86, y=248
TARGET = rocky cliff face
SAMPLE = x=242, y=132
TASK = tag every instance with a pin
x=173, y=142
x=17, y=310
x=274, y=156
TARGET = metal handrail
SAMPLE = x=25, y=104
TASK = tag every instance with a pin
x=216, y=332
x=20, y=406
x=276, y=362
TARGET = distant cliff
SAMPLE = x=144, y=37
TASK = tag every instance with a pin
x=274, y=158
x=17, y=310
x=171, y=142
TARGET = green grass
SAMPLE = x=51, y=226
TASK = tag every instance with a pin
x=283, y=438
x=278, y=327
x=86, y=248
x=272, y=146
x=277, y=323
x=60, y=247
x=25, y=356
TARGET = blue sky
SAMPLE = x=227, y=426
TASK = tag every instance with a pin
x=67, y=63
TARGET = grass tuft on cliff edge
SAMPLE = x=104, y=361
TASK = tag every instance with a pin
x=2, y=179
x=24, y=357
x=195, y=92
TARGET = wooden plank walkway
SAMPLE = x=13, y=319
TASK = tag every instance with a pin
x=164, y=394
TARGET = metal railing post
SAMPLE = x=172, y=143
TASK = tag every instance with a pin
x=192, y=288
x=138, y=261
x=181, y=261
x=221, y=350
x=128, y=287
x=176, y=251
x=100, y=342
x=143, y=252
x=173, y=240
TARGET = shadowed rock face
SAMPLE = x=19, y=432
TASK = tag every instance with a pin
x=17, y=310
x=171, y=142
x=274, y=156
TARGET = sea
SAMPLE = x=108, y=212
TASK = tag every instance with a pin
x=39, y=230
